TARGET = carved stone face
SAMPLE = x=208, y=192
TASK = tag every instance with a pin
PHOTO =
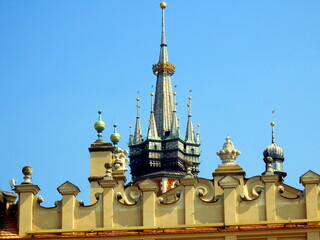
x=119, y=159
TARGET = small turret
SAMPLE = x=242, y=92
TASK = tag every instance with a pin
x=276, y=153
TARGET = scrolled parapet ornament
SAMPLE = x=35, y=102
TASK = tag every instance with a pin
x=255, y=192
x=281, y=189
x=129, y=197
x=119, y=160
x=205, y=192
x=252, y=190
x=167, y=201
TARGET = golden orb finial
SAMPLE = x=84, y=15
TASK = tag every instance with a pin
x=163, y=5
x=174, y=94
x=190, y=98
x=272, y=124
x=138, y=99
x=151, y=94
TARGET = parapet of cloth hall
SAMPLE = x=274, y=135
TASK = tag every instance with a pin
x=167, y=198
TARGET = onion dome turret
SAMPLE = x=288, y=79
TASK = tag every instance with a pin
x=275, y=152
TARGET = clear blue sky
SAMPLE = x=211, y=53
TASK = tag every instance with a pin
x=61, y=61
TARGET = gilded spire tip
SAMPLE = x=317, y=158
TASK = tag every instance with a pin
x=163, y=5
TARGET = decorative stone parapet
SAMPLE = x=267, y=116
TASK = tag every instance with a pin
x=108, y=186
x=27, y=194
x=189, y=197
x=149, y=189
x=68, y=191
x=310, y=180
x=229, y=185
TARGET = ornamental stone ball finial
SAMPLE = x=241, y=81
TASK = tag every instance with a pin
x=115, y=136
x=268, y=161
x=228, y=154
x=27, y=172
x=108, y=167
x=99, y=126
x=188, y=164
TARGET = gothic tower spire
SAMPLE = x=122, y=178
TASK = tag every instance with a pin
x=164, y=104
x=163, y=155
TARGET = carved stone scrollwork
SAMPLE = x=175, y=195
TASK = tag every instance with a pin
x=175, y=199
x=205, y=192
x=281, y=190
x=98, y=196
x=255, y=193
x=129, y=197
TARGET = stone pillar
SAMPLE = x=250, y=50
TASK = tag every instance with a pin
x=69, y=192
x=108, y=186
x=230, y=202
x=189, y=192
x=27, y=194
x=100, y=154
x=149, y=190
x=270, y=195
x=310, y=180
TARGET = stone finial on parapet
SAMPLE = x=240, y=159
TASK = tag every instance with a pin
x=268, y=161
x=27, y=172
x=188, y=164
x=108, y=167
x=228, y=155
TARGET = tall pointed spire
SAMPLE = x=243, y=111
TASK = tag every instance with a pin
x=190, y=130
x=198, y=134
x=130, y=136
x=175, y=132
x=163, y=57
x=164, y=104
x=152, y=131
x=137, y=137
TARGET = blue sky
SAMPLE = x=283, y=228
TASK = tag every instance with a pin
x=61, y=61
